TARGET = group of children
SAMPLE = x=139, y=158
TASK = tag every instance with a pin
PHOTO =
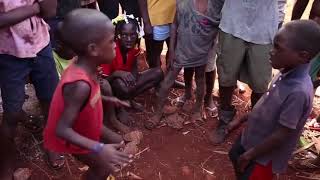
x=99, y=79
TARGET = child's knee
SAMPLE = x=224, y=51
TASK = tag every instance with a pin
x=106, y=88
x=159, y=73
x=120, y=89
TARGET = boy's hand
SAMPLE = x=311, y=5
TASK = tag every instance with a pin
x=115, y=101
x=47, y=8
x=244, y=161
x=128, y=79
x=236, y=123
x=111, y=155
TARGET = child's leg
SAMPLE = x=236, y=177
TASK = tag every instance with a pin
x=210, y=78
x=146, y=80
x=162, y=97
x=109, y=110
x=200, y=82
x=188, y=75
x=97, y=169
x=154, y=49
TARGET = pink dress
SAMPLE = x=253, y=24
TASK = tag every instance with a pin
x=25, y=39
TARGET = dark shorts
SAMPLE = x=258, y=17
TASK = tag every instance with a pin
x=14, y=72
x=254, y=171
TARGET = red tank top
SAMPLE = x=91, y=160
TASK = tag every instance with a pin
x=88, y=122
x=118, y=64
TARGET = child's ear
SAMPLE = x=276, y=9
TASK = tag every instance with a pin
x=305, y=57
x=93, y=50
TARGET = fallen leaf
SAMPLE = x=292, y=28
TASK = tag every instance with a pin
x=84, y=168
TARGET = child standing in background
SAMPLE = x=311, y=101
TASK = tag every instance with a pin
x=192, y=36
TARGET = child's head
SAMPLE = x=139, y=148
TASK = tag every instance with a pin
x=297, y=42
x=127, y=31
x=89, y=33
x=61, y=48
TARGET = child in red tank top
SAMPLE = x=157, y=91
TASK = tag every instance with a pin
x=75, y=122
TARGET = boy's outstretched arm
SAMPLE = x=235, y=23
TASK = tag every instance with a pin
x=269, y=144
x=17, y=15
x=291, y=112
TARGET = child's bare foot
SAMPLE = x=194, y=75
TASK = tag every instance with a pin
x=120, y=126
x=233, y=125
x=210, y=106
x=54, y=160
x=124, y=117
x=197, y=117
x=136, y=106
x=168, y=110
x=175, y=121
x=153, y=122
x=180, y=101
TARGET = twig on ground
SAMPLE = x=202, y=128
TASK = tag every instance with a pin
x=221, y=152
x=204, y=162
x=207, y=171
x=36, y=144
x=68, y=167
x=146, y=149
x=160, y=178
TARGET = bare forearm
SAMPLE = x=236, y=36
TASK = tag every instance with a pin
x=108, y=136
x=173, y=38
x=48, y=8
x=69, y=135
x=299, y=8
x=143, y=5
x=270, y=143
x=17, y=15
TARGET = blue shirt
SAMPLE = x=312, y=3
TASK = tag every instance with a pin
x=288, y=103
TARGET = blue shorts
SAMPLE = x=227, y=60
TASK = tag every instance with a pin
x=14, y=72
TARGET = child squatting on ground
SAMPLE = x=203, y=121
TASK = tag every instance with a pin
x=75, y=123
x=122, y=73
x=278, y=118
x=192, y=36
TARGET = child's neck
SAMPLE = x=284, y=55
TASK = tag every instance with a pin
x=88, y=65
x=201, y=6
